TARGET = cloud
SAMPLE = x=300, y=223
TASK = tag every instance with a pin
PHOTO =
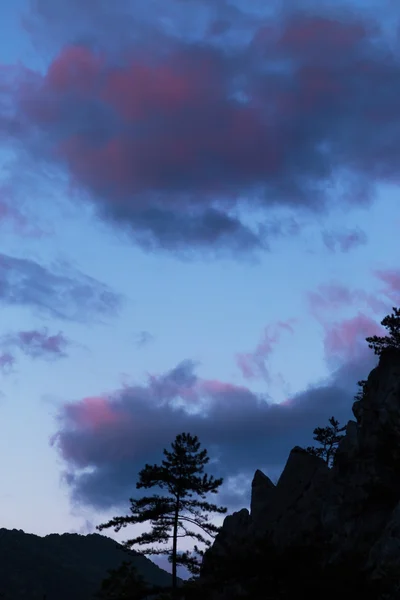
x=7, y=362
x=344, y=241
x=174, y=139
x=143, y=338
x=35, y=343
x=59, y=291
x=343, y=339
x=105, y=441
x=51, y=22
x=391, y=279
x=253, y=365
x=86, y=528
x=329, y=298
x=10, y=215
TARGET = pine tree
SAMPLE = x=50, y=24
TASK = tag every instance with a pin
x=329, y=438
x=388, y=342
x=181, y=474
x=123, y=583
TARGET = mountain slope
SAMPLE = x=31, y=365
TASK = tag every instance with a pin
x=64, y=566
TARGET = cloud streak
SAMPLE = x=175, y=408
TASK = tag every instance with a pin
x=253, y=365
x=58, y=291
x=37, y=344
x=329, y=298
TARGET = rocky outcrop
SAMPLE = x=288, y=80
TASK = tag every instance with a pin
x=234, y=533
x=262, y=494
x=351, y=509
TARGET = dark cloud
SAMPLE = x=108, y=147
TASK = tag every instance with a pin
x=58, y=291
x=105, y=441
x=52, y=23
x=37, y=344
x=174, y=139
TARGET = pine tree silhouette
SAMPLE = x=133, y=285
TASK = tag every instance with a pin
x=329, y=438
x=388, y=342
x=181, y=474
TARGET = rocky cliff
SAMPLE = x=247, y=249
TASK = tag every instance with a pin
x=347, y=514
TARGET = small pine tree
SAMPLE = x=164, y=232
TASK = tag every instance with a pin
x=329, y=438
x=388, y=342
x=181, y=474
x=123, y=583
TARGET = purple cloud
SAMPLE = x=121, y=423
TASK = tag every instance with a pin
x=35, y=343
x=7, y=362
x=173, y=139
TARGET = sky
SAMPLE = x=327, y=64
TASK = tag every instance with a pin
x=199, y=226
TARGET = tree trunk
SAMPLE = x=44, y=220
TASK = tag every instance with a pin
x=174, y=549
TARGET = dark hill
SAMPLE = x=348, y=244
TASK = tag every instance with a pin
x=63, y=567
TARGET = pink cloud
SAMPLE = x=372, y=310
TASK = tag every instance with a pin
x=77, y=69
x=253, y=364
x=93, y=413
x=334, y=296
x=391, y=279
x=345, y=340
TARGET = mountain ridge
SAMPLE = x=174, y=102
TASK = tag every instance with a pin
x=64, y=566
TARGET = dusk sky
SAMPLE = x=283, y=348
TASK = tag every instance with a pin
x=199, y=220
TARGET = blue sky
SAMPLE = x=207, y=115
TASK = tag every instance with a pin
x=165, y=243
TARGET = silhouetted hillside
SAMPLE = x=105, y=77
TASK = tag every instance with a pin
x=64, y=567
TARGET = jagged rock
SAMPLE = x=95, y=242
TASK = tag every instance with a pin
x=349, y=510
x=232, y=535
x=262, y=494
x=302, y=492
x=348, y=445
x=298, y=473
x=302, y=477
